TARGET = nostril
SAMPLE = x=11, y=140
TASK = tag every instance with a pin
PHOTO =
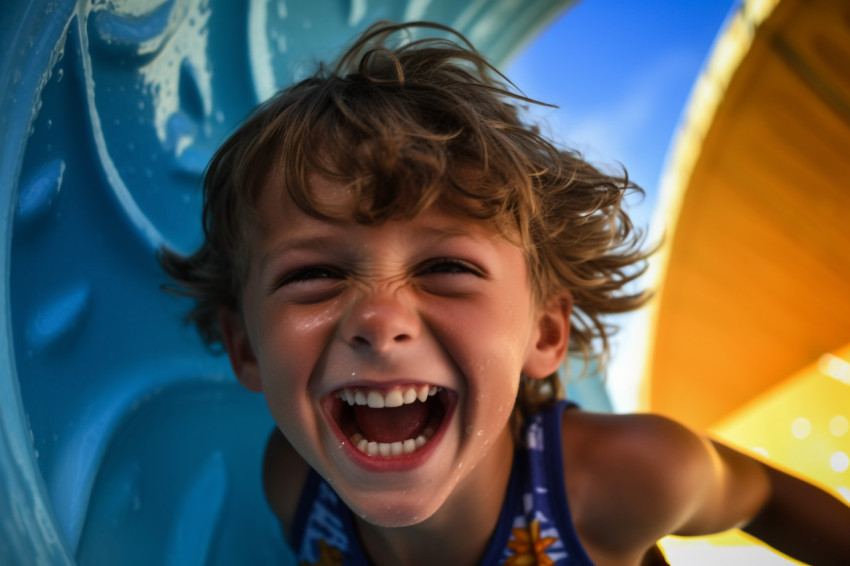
x=378, y=342
x=376, y=322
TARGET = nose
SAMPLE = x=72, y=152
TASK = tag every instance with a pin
x=381, y=320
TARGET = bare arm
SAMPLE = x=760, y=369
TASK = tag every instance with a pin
x=803, y=521
x=641, y=477
x=633, y=479
x=785, y=512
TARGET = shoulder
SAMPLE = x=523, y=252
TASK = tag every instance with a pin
x=632, y=479
x=649, y=442
x=284, y=474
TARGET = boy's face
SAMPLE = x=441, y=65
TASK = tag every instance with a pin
x=337, y=314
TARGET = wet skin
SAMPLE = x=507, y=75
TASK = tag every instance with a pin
x=437, y=301
x=332, y=307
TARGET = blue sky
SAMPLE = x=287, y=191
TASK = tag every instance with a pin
x=621, y=72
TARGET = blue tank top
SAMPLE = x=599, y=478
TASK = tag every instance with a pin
x=534, y=525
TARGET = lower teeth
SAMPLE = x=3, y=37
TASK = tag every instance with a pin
x=408, y=446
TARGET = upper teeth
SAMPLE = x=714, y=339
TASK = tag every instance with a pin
x=377, y=399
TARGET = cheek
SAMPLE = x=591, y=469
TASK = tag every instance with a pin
x=508, y=332
x=293, y=339
x=489, y=350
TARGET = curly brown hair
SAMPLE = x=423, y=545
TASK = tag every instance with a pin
x=407, y=123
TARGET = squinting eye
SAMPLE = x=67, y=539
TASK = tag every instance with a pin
x=307, y=274
x=309, y=284
x=450, y=277
x=450, y=266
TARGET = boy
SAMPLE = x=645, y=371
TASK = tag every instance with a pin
x=399, y=264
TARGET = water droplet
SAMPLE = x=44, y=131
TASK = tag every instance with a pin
x=468, y=429
x=480, y=433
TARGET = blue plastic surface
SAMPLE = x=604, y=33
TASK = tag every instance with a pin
x=122, y=439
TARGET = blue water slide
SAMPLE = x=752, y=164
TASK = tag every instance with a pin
x=123, y=440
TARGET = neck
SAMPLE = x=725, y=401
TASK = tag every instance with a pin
x=459, y=532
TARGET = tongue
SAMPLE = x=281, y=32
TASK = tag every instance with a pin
x=391, y=425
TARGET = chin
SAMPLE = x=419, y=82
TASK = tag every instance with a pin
x=394, y=512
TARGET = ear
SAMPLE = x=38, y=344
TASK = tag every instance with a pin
x=551, y=338
x=239, y=349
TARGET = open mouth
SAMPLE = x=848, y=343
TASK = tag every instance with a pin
x=390, y=422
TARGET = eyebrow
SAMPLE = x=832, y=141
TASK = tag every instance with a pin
x=436, y=233
x=442, y=233
x=298, y=243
